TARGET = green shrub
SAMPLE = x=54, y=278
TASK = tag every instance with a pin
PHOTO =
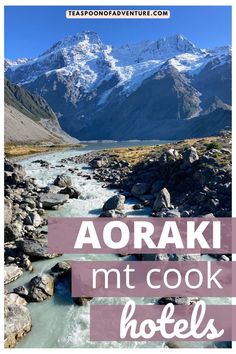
x=214, y=145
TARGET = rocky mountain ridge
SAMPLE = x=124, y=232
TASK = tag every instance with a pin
x=99, y=91
x=29, y=118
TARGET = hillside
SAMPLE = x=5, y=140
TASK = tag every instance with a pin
x=29, y=119
x=21, y=129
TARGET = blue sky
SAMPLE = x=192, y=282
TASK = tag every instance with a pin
x=30, y=30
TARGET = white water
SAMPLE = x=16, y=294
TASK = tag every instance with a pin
x=57, y=322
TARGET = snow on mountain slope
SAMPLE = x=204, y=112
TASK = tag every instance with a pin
x=10, y=63
x=90, y=62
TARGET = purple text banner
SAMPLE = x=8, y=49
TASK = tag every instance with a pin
x=153, y=279
x=151, y=323
x=142, y=235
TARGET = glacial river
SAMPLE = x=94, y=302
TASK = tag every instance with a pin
x=57, y=322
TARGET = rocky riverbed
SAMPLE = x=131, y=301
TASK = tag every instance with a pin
x=25, y=241
x=186, y=179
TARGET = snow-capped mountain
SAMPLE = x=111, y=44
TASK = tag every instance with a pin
x=85, y=80
x=8, y=63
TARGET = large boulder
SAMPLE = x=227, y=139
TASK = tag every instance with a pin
x=139, y=189
x=13, y=173
x=116, y=202
x=173, y=153
x=61, y=267
x=13, y=167
x=13, y=231
x=22, y=291
x=71, y=191
x=162, y=200
x=98, y=162
x=11, y=273
x=14, y=256
x=12, y=178
x=52, y=200
x=190, y=155
x=41, y=287
x=33, y=219
x=62, y=181
x=17, y=322
x=42, y=163
x=35, y=248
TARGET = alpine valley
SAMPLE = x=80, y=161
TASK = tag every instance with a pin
x=163, y=89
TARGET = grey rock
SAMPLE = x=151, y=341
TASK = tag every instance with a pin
x=162, y=200
x=42, y=163
x=62, y=181
x=71, y=191
x=33, y=219
x=12, y=178
x=99, y=162
x=190, y=155
x=11, y=273
x=50, y=200
x=13, y=231
x=17, y=322
x=61, y=267
x=35, y=249
x=41, y=287
x=115, y=202
x=14, y=173
x=22, y=291
x=173, y=152
x=31, y=203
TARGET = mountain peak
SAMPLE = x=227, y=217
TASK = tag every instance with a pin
x=84, y=36
x=89, y=37
x=177, y=42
